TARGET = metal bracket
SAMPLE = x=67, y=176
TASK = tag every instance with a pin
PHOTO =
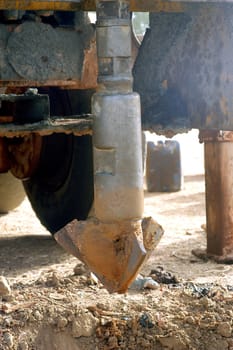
x=21, y=115
x=28, y=107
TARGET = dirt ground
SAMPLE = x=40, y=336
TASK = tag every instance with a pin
x=56, y=304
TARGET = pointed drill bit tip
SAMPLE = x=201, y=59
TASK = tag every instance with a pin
x=112, y=251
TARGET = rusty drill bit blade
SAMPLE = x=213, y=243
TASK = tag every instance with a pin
x=111, y=251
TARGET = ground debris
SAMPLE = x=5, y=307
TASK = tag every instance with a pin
x=53, y=305
x=8, y=308
x=145, y=321
x=98, y=311
x=159, y=275
x=174, y=342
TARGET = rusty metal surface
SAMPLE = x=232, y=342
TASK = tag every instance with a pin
x=90, y=5
x=159, y=6
x=37, y=51
x=4, y=119
x=24, y=154
x=63, y=84
x=215, y=136
x=90, y=69
x=188, y=83
x=37, y=54
x=112, y=251
x=220, y=259
x=77, y=126
x=219, y=198
x=57, y=5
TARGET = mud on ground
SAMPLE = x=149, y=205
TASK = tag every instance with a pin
x=56, y=304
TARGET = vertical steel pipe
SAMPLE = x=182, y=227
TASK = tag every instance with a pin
x=117, y=125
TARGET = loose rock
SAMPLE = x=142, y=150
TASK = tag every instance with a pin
x=173, y=342
x=84, y=325
x=9, y=339
x=224, y=329
x=141, y=283
x=159, y=275
x=112, y=342
x=61, y=322
x=80, y=269
x=4, y=287
x=23, y=345
x=53, y=281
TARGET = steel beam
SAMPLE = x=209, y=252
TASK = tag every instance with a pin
x=90, y=5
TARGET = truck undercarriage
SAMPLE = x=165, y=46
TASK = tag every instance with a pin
x=70, y=118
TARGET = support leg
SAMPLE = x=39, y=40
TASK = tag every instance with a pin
x=218, y=147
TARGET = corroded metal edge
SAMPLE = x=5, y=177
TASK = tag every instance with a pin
x=67, y=125
x=215, y=136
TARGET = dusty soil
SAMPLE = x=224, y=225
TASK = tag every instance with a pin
x=56, y=304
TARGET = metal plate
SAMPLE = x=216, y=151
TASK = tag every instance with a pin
x=39, y=52
x=184, y=70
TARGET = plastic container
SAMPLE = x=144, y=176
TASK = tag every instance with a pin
x=163, y=166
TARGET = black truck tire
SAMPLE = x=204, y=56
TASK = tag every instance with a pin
x=62, y=187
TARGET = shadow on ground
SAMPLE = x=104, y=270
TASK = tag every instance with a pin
x=22, y=253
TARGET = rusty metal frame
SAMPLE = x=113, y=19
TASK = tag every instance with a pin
x=90, y=5
x=215, y=136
